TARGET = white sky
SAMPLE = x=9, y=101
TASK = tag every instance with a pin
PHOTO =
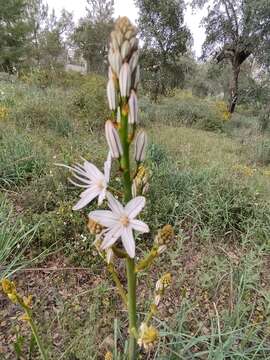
x=127, y=8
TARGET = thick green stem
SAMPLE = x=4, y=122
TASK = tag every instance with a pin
x=131, y=276
x=130, y=264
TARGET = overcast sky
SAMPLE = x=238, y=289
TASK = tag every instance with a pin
x=127, y=8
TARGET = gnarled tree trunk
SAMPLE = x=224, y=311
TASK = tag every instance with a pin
x=234, y=88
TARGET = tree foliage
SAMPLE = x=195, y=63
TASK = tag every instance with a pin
x=92, y=34
x=235, y=30
x=165, y=38
x=14, y=33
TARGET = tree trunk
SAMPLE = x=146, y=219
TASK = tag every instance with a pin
x=234, y=88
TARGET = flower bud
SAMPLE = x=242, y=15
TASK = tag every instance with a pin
x=118, y=118
x=134, y=43
x=140, y=146
x=111, y=94
x=113, y=140
x=114, y=40
x=94, y=227
x=161, y=249
x=165, y=235
x=125, y=80
x=133, y=62
x=125, y=49
x=133, y=108
x=115, y=61
x=164, y=282
x=157, y=299
x=109, y=255
x=137, y=77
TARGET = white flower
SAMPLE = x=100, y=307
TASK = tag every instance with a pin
x=120, y=222
x=92, y=179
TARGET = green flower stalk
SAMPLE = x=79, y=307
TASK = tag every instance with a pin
x=120, y=221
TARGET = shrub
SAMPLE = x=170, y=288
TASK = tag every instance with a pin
x=90, y=100
x=185, y=110
x=262, y=152
x=48, y=109
x=264, y=119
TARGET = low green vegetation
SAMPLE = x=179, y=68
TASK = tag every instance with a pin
x=209, y=178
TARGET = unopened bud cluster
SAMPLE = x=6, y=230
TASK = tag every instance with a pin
x=162, y=284
x=94, y=227
x=9, y=289
x=165, y=235
x=140, y=183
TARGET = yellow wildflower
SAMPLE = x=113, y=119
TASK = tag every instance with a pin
x=24, y=317
x=3, y=112
x=10, y=290
x=108, y=356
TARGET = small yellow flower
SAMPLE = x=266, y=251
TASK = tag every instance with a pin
x=165, y=235
x=28, y=301
x=24, y=317
x=3, y=112
x=148, y=336
x=10, y=290
x=108, y=356
x=244, y=170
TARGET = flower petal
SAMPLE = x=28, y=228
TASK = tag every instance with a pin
x=128, y=241
x=92, y=171
x=111, y=237
x=135, y=206
x=139, y=226
x=107, y=167
x=89, y=190
x=115, y=205
x=86, y=199
x=105, y=218
x=101, y=196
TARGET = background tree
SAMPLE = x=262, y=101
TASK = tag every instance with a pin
x=165, y=38
x=52, y=40
x=91, y=37
x=38, y=13
x=235, y=30
x=14, y=33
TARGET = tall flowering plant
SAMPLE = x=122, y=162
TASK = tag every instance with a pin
x=117, y=228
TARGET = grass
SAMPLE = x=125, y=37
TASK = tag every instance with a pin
x=15, y=241
x=212, y=186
